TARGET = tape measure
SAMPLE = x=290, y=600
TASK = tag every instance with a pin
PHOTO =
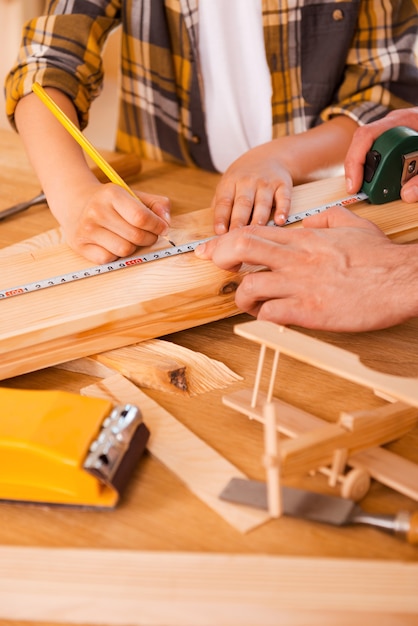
x=100, y=269
x=297, y=217
x=391, y=162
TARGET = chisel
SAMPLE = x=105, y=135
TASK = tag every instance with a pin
x=318, y=507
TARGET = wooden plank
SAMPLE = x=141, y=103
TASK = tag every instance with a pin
x=108, y=311
x=119, y=587
x=47, y=239
x=143, y=302
x=195, y=463
x=397, y=219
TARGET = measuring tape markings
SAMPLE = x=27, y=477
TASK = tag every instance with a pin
x=100, y=269
x=156, y=255
x=297, y=217
x=396, y=149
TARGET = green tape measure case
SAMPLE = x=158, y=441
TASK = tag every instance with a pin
x=391, y=162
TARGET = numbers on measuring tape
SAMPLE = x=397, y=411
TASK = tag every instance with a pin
x=159, y=254
x=99, y=269
x=298, y=217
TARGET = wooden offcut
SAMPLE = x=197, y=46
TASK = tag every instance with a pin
x=161, y=365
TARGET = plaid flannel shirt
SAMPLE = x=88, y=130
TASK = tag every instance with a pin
x=326, y=58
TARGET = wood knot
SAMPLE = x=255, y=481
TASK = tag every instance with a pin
x=229, y=287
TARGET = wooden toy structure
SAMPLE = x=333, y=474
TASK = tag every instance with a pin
x=313, y=443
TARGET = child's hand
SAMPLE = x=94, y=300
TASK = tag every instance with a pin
x=111, y=223
x=252, y=186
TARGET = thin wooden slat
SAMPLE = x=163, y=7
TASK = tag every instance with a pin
x=195, y=463
x=196, y=589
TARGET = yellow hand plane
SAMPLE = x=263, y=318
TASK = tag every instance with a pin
x=58, y=447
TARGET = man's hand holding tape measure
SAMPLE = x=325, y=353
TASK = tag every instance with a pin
x=338, y=273
x=362, y=142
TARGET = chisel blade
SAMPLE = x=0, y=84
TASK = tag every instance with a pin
x=300, y=503
x=318, y=507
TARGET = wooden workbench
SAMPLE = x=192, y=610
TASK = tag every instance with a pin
x=158, y=513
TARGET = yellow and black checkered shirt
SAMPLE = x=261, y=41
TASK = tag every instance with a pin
x=355, y=57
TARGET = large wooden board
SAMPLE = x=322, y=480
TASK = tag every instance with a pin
x=114, y=309
x=111, y=310
x=135, y=588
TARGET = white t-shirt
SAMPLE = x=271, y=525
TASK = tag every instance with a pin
x=236, y=78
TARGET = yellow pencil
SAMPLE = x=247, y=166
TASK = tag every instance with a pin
x=76, y=133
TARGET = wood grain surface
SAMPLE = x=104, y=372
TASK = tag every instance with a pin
x=58, y=564
x=145, y=301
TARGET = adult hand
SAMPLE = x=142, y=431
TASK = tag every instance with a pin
x=111, y=223
x=338, y=273
x=250, y=188
x=363, y=140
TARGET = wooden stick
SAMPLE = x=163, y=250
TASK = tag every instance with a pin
x=272, y=461
x=339, y=460
x=258, y=373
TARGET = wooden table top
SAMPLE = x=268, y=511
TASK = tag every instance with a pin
x=157, y=511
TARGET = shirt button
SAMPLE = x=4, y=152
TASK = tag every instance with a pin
x=337, y=15
x=195, y=139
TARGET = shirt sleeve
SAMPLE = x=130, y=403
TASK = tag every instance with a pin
x=62, y=50
x=382, y=64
